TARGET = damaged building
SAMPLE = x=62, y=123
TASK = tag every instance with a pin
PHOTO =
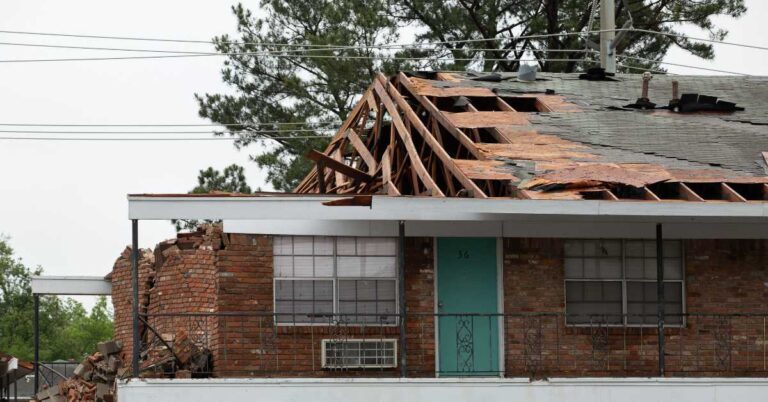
x=477, y=226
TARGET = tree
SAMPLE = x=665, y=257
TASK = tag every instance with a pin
x=66, y=330
x=307, y=62
x=211, y=180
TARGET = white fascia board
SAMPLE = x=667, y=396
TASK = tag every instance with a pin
x=511, y=229
x=71, y=285
x=437, y=209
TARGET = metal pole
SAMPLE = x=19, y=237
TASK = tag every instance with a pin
x=660, y=294
x=607, y=35
x=37, y=342
x=15, y=391
x=401, y=291
x=135, y=284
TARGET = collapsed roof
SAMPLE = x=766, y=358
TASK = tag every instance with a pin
x=558, y=137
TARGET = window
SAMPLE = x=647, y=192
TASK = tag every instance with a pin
x=322, y=279
x=354, y=353
x=614, y=281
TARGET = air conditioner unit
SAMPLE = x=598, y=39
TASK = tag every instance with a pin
x=359, y=353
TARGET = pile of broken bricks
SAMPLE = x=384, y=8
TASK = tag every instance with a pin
x=93, y=379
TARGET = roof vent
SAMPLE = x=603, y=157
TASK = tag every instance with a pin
x=643, y=102
x=528, y=67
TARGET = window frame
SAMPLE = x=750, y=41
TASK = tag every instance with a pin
x=333, y=318
x=624, y=280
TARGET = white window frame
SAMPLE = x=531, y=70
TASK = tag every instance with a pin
x=335, y=280
x=324, y=363
x=623, y=280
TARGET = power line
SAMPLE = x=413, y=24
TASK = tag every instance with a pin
x=270, y=52
x=154, y=139
x=372, y=57
x=718, y=42
x=174, y=125
x=684, y=65
x=259, y=132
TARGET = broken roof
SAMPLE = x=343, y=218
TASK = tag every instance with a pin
x=559, y=137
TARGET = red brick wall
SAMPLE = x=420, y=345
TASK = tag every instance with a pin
x=232, y=273
x=722, y=277
x=253, y=346
x=122, y=295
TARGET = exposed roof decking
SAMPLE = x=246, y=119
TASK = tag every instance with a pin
x=558, y=137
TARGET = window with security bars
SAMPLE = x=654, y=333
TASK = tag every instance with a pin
x=614, y=282
x=324, y=280
x=354, y=353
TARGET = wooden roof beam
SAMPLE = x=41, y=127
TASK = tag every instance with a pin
x=435, y=145
x=405, y=136
x=438, y=115
x=687, y=194
x=353, y=116
x=333, y=164
x=362, y=150
x=650, y=195
x=730, y=194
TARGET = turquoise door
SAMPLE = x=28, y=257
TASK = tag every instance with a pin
x=467, y=294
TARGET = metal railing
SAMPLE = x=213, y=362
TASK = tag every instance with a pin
x=534, y=345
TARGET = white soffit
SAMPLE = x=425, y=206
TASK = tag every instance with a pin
x=71, y=285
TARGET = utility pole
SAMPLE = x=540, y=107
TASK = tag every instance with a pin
x=608, y=35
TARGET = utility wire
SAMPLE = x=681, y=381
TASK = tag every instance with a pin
x=270, y=52
x=174, y=125
x=684, y=65
x=154, y=139
x=259, y=132
x=539, y=36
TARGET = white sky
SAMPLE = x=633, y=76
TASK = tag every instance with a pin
x=64, y=203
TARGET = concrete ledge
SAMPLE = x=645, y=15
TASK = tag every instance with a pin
x=449, y=389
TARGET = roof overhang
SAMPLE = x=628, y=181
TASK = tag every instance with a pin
x=71, y=285
x=384, y=208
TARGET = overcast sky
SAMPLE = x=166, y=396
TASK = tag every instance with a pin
x=64, y=203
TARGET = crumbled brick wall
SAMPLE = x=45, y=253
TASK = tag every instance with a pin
x=722, y=277
x=122, y=295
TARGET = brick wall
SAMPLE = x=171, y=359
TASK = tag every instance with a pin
x=232, y=273
x=122, y=295
x=722, y=277
x=253, y=346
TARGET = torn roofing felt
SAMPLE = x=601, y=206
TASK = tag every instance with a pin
x=559, y=137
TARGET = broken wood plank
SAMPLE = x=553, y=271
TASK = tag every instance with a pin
x=333, y=164
x=485, y=119
x=386, y=174
x=351, y=118
x=438, y=115
x=355, y=201
x=320, y=177
x=405, y=136
x=446, y=159
x=362, y=150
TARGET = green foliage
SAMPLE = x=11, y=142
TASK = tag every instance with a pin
x=66, y=330
x=287, y=85
x=211, y=180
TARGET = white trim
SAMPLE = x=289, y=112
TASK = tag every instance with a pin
x=71, y=285
x=500, y=307
x=447, y=389
x=549, y=228
x=385, y=208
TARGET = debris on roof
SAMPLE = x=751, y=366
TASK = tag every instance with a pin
x=451, y=135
